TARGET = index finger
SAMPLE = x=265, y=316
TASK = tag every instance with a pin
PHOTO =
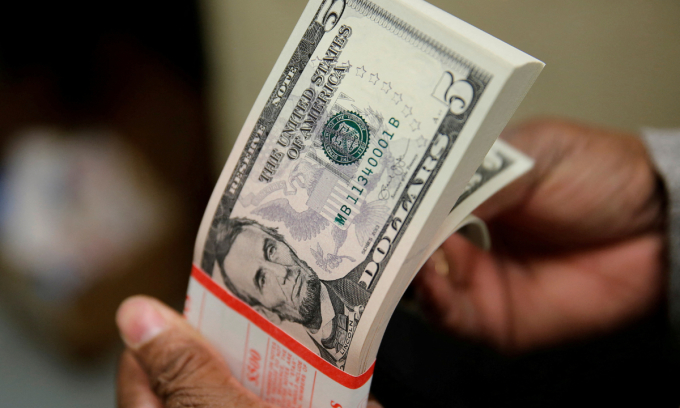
x=588, y=186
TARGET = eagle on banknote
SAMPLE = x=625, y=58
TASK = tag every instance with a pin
x=308, y=224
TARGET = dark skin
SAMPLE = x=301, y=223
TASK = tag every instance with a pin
x=578, y=244
x=168, y=364
x=578, y=250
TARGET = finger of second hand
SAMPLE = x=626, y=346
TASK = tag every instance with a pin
x=439, y=262
x=457, y=255
x=435, y=291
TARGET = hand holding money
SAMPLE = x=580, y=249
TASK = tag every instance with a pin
x=578, y=244
x=167, y=363
x=562, y=266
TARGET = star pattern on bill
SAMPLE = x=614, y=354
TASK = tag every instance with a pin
x=361, y=71
x=397, y=98
x=387, y=87
x=374, y=79
x=348, y=65
x=407, y=111
x=415, y=125
x=421, y=141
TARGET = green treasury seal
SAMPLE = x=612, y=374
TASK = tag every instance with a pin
x=345, y=138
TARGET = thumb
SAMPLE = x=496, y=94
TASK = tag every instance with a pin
x=182, y=368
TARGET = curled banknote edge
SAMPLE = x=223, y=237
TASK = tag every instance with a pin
x=361, y=154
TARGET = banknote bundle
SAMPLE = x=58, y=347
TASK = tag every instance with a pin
x=371, y=142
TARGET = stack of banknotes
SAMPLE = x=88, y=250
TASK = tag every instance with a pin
x=372, y=141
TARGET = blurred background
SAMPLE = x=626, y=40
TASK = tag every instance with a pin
x=116, y=118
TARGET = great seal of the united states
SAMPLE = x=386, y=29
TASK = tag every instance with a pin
x=345, y=138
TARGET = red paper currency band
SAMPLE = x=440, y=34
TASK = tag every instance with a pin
x=282, y=337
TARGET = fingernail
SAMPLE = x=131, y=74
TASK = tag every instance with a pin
x=139, y=321
x=441, y=266
x=373, y=404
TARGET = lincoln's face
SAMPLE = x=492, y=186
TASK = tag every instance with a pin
x=267, y=271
